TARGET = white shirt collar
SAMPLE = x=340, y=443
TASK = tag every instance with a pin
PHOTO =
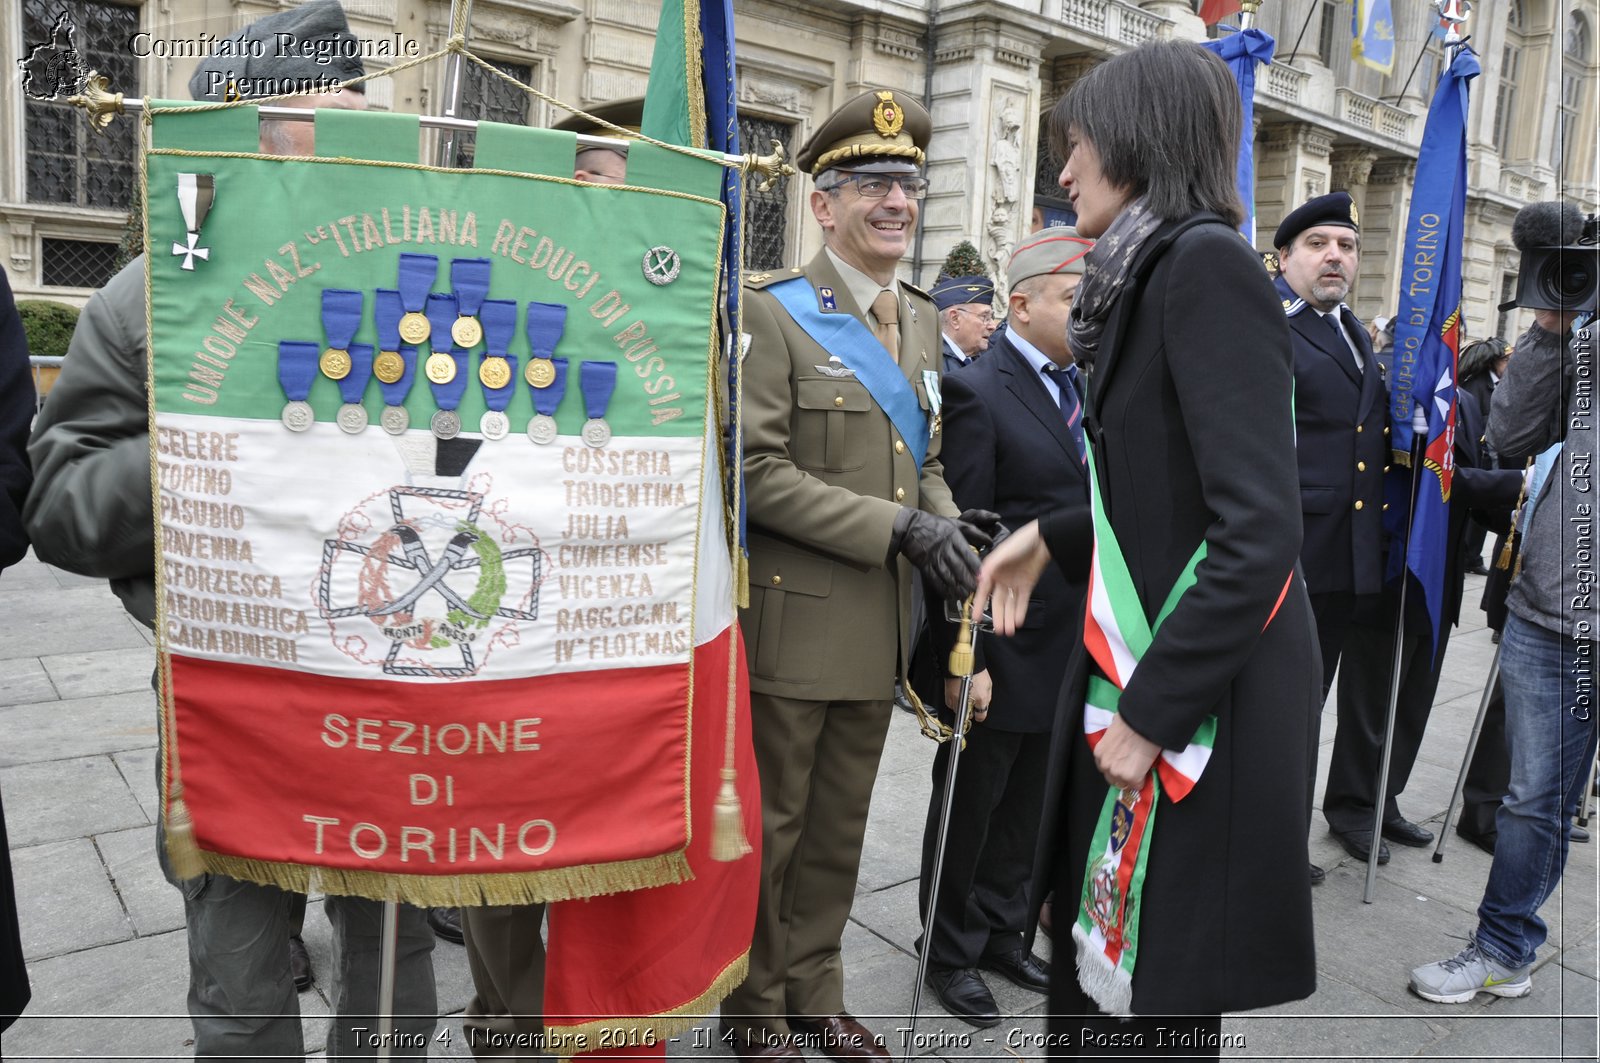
x=1030, y=354
x=862, y=288
x=955, y=352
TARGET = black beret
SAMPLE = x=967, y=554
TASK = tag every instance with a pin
x=1335, y=208
x=306, y=48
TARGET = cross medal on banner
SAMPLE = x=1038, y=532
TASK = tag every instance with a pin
x=195, y=194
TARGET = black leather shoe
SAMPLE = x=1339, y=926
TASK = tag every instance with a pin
x=1404, y=832
x=1021, y=968
x=446, y=923
x=963, y=993
x=1484, y=841
x=1477, y=568
x=1317, y=875
x=300, y=964
x=1358, y=843
x=1579, y=834
x=842, y=1037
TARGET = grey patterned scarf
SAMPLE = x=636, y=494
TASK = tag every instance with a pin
x=1106, y=269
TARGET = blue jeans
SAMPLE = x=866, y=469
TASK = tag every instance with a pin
x=1550, y=727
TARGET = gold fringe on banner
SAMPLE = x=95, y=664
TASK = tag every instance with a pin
x=448, y=891
x=632, y=1030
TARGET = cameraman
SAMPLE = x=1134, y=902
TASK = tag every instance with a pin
x=1542, y=409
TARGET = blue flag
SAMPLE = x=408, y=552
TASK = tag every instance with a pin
x=1427, y=339
x=1242, y=51
x=1372, y=34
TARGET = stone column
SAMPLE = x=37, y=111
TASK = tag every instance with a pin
x=1383, y=229
x=1291, y=167
x=981, y=162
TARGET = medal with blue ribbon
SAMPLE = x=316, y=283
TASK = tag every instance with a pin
x=396, y=365
x=597, y=380
x=449, y=386
x=341, y=316
x=297, y=368
x=469, y=280
x=440, y=367
x=546, y=400
x=352, y=386
x=416, y=278
x=497, y=369
x=545, y=324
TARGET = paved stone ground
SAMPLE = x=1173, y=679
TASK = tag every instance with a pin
x=103, y=931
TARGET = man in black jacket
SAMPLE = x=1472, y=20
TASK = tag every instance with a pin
x=1340, y=432
x=1013, y=445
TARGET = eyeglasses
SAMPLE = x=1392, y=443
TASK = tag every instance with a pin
x=877, y=185
x=985, y=316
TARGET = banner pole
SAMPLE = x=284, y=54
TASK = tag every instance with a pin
x=460, y=13
x=1419, y=439
x=388, y=944
x=1472, y=748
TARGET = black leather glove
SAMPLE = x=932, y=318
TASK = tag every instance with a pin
x=938, y=547
x=982, y=528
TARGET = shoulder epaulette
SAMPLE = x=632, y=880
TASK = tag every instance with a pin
x=763, y=278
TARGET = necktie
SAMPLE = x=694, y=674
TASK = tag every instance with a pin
x=1334, y=322
x=1066, y=381
x=886, y=309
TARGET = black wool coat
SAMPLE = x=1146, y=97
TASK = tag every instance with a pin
x=1190, y=415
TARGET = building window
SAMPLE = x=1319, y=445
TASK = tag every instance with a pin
x=486, y=98
x=1568, y=145
x=1329, y=30
x=76, y=263
x=66, y=162
x=766, y=214
x=1508, y=292
x=1505, y=118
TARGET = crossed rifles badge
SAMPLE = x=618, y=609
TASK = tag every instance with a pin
x=196, y=191
x=431, y=585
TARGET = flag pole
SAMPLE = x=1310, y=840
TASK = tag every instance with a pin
x=460, y=14
x=1419, y=440
x=1472, y=748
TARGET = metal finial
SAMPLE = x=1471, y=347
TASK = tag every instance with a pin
x=770, y=167
x=98, y=101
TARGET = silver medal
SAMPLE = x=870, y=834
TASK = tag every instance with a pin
x=395, y=420
x=542, y=429
x=494, y=425
x=446, y=424
x=297, y=416
x=353, y=418
x=596, y=433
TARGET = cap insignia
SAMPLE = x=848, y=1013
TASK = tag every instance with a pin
x=887, y=118
x=1355, y=219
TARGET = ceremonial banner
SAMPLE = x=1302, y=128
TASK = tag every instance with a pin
x=443, y=578
x=1372, y=34
x=1243, y=52
x=1427, y=340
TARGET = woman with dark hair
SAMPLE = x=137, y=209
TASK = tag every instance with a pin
x=1181, y=842
x=1481, y=367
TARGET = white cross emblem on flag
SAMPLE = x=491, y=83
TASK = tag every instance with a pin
x=196, y=191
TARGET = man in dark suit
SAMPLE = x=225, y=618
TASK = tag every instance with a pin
x=1013, y=445
x=1366, y=678
x=966, y=317
x=1340, y=414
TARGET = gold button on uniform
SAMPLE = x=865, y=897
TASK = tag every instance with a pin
x=899, y=446
x=899, y=494
x=1361, y=466
x=1386, y=505
x=1358, y=429
x=777, y=580
x=1359, y=503
x=838, y=400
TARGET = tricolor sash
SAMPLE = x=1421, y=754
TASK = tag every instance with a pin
x=844, y=337
x=1117, y=635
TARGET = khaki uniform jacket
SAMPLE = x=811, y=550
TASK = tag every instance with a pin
x=825, y=474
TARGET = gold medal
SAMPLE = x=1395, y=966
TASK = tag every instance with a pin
x=495, y=372
x=541, y=373
x=335, y=364
x=414, y=327
x=466, y=332
x=441, y=368
x=389, y=367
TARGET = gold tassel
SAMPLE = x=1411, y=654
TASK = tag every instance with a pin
x=728, y=842
x=181, y=847
x=741, y=581
x=1503, y=562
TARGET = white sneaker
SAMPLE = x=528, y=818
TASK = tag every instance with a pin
x=1465, y=975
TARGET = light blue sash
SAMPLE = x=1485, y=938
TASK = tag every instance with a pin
x=844, y=337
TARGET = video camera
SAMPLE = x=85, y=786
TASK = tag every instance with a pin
x=1560, y=258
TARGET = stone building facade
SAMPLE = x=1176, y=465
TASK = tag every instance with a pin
x=990, y=70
